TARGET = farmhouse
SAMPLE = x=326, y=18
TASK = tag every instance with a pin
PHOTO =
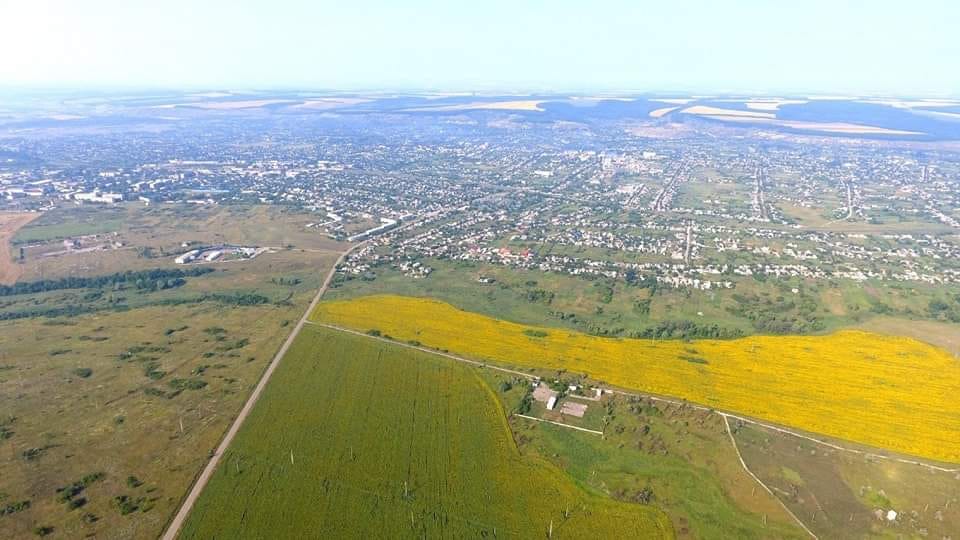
x=544, y=394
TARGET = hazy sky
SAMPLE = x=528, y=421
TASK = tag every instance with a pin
x=828, y=46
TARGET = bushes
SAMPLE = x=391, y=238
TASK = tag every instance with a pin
x=13, y=508
x=188, y=384
x=238, y=299
x=5, y=431
x=538, y=296
x=233, y=345
x=69, y=494
x=686, y=330
x=31, y=454
x=153, y=371
x=83, y=372
x=127, y=505
x=778, y=317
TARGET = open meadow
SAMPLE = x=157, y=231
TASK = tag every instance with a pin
x=850, y=494
x=134, y=236
x=10, y=223
x=118, y=376
x=852, y=385
x=360, y=437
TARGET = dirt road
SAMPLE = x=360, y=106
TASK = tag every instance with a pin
x=174, y=527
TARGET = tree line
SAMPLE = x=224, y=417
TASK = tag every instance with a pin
x=138, y=278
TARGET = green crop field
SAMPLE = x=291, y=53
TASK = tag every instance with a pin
x=364, y=438
x=71, y=222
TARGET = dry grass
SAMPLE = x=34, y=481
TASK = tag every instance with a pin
x=9, y=225
x=108, y=422
x=942, y=334
x=888, y=392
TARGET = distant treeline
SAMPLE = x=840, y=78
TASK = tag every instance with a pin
x=72, y=310
x=140, y=279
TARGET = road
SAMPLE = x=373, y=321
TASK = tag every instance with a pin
x=187, y=505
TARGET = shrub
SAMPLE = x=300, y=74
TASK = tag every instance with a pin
x=83, y=372
x=188, y=384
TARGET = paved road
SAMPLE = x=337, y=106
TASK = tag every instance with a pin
x=174, y=528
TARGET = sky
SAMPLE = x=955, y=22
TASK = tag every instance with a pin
x=747, y=46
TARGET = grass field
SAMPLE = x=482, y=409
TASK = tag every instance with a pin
x=10, y=270
x=361, y=438
x=99, y=394
x=71, y=222
x=107, y=416
x=838, y=493
x=614, y=308
x=853, y=385
x=153, y=235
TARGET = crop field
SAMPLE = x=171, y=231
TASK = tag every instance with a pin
x=71, y=222
x=362, y=436
x=863, y=387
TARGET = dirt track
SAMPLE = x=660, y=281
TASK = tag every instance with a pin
x=9, y=225
x=181, y=516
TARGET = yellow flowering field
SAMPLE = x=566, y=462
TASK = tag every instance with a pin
x=888, y=392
